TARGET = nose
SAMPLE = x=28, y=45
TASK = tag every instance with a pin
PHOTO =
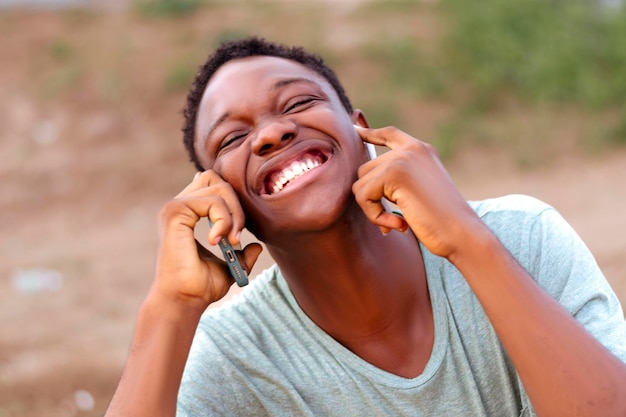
x=272, y=135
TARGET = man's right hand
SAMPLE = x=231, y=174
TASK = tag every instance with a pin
x=186, y=271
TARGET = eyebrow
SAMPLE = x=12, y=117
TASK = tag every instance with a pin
x=276, y=86
x=287, y=81
x=215, y=125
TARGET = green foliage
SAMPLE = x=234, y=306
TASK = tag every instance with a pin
x=446, y=138
x=381, y=111
x=167, y=8
x=407, y=69
x=66, y=72
x=538, y=50
x=618, y=135
x=61, y=80
x=229, y=35
x=179, y=77
x=60, y=50
x=391, y=6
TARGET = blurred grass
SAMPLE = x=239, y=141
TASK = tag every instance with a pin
x=498, y=69
x=540, y=51
x=167, y=8
x=554, y=53
x=179, y=76
x=501, y=56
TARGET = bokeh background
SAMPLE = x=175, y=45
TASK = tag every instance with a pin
x=519, y=96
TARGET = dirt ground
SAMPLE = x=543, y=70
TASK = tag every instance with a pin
x=84, y=173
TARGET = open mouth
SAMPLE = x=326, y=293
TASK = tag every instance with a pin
x=276, y=181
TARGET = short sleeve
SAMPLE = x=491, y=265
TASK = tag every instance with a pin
x=563, y=265
x=206, y=388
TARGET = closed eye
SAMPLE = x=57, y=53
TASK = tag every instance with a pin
x=300, y=104
x=231, y=140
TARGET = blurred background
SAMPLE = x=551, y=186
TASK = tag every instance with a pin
x=519, y=96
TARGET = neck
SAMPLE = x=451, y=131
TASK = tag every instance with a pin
x=362, y=288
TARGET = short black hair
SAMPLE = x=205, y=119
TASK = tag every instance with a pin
x=243, y=48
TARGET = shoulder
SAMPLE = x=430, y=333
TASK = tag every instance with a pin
x=513, y=205
x=532, y=230
x=516, y=220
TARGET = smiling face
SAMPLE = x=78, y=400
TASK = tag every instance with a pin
x=278, y=133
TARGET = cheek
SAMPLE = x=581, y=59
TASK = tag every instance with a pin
x=232, y=170
x=340, y=127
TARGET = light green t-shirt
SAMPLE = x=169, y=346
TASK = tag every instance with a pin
x=261, y=355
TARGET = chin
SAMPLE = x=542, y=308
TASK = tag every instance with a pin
x=309, y=216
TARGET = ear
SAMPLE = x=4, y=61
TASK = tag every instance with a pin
x=358, y=118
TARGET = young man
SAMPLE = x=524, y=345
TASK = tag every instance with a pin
x=491, y=308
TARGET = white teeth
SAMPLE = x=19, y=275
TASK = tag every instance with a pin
x=296, y=168
x=293, y=171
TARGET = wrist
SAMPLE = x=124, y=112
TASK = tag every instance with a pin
x=478, y=243
x=172, y=309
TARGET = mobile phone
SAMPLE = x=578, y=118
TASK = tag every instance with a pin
x=371, y=150
x=230, y=257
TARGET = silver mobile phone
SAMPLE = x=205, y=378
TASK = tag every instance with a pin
x=236, y=270
x=371, y=150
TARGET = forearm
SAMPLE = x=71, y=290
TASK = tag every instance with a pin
x=151, y=378
x=565, y=370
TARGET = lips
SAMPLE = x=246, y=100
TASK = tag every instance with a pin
x=278, y=179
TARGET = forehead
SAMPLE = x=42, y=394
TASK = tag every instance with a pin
x=240, y=80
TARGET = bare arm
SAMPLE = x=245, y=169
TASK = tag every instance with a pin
x=565, y=370
x=153, y=371
x=188, y=279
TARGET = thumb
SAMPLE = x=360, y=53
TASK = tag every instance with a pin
x=250, y=255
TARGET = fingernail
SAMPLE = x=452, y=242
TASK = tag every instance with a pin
x=197, y=175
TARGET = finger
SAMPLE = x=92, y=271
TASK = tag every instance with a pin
x=249, y=255
x=390, y=136
x=201, y=180
x=209, y=183
x=370, y=199
x=193, y=185
x=229, y=222
x=384, y=230
x=376, y=213
x=189, y=210
x=204, y=252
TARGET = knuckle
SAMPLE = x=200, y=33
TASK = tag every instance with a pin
x=420, y=148
x=222, y=188
x=169, y=208
x=172, y=210
x=209, y=173
x=389, y=130
x=432, y=149
x=213, y=178
x=358, y=195
x=361, y=171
